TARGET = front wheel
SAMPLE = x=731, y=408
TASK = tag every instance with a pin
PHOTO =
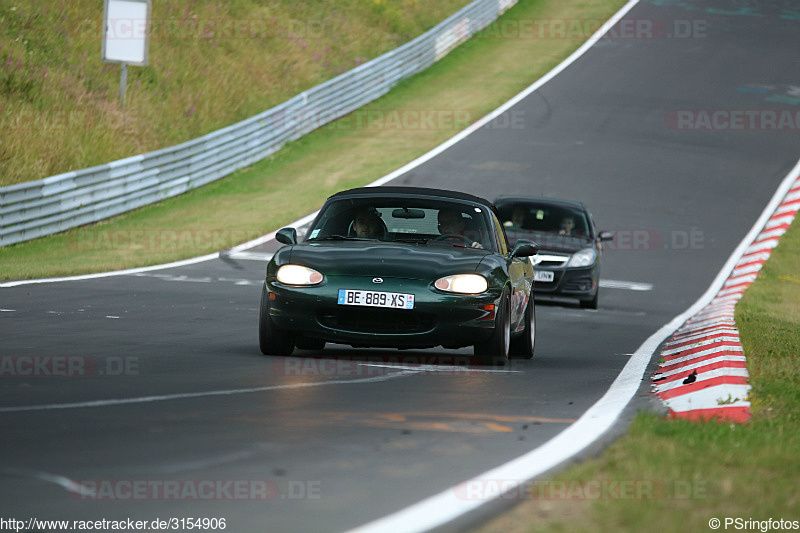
x=523, y=346
x=494, y=351
x=591, y=304
x=271, y=339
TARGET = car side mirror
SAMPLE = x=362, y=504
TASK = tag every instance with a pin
x=605, y=236
x=525, y=248
x=286, y=236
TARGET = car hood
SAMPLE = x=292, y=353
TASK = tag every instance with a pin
x=370, y=258
x=550, y=242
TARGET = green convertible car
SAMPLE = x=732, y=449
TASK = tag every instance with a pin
x=401, y=267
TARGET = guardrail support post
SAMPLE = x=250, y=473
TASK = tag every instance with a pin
x=123, y=82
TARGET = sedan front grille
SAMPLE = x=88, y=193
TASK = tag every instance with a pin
x=552, y=260
x=378, y=321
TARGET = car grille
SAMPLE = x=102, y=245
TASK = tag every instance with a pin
x=552, y=260
x=380, y=321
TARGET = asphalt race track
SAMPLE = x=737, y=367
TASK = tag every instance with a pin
x=170, y=392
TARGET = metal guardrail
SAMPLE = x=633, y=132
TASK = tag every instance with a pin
x=54, y=204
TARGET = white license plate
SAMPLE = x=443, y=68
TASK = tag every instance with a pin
x=392, y=300
x=543, y=276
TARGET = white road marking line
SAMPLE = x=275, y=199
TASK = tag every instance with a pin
x=441, y=368
x=204, y=279
x=250, y=256
x=62, y=481
x=127, y=272
x=205, y=394
x=629, y=285
x=206, y=463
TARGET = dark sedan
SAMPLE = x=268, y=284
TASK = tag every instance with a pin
x=401, y=267
x=570, y=247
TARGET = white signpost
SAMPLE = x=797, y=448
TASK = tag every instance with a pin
x=126, y=36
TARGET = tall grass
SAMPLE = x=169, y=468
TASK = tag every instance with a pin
x=211, y=63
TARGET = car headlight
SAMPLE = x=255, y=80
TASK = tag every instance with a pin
x=298, y=275
x=462, y=284
x=583, y=258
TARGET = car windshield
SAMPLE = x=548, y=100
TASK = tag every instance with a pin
x=425, y=221
x=544, y=223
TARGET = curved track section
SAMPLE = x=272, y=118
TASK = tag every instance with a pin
x=168, y=411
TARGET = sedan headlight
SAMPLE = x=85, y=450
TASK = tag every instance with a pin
x=583, y=258
x=462, y=284
x=298, y=275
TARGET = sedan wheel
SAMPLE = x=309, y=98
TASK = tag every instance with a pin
x=591, y=304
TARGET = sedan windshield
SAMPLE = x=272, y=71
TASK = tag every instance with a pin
x=432, y=222
x=544, y=223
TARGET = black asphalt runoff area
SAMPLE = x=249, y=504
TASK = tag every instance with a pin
x=203, y=426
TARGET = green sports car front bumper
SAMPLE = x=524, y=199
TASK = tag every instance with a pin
x=436, y=319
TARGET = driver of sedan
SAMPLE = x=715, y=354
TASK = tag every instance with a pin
x=517, y=218
x=452, y=222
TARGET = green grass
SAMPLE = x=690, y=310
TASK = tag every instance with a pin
x=296, y=180
x=706, y=470
x=211, y=64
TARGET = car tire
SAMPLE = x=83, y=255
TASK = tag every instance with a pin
x=271, y=339
x=494, y=351
x=591, y=304
x=523, y=345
